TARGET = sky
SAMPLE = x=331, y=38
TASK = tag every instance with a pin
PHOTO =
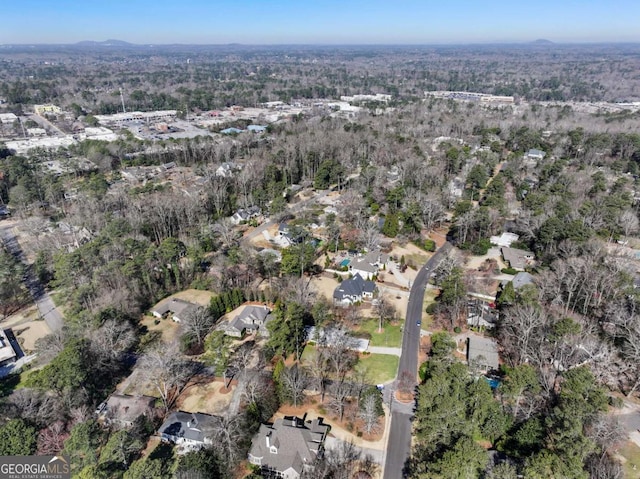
x=319, y=21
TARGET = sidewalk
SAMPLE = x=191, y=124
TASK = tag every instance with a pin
x=385, y=350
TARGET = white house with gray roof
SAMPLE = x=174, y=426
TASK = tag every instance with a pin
x=368, y=265
x=353, y=290
x=288, y=447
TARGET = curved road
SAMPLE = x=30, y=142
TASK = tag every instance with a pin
x=399, y=444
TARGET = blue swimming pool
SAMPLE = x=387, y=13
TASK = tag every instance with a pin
x=345, y=262
x=493, y=383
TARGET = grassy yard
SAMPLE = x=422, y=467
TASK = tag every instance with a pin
x=380, y=368
x=427, y=319
x=391, y=336
x=631, y=453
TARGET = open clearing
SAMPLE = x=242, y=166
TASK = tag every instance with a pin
x=27, y=327
x=209, y=398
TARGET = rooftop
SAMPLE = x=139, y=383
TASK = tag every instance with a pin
x=483, y=351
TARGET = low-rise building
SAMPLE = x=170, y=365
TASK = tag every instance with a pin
x=174, y=307
x=535, y=154
x=483, y=352
x=189, y=431
x=288, y=447
x=353, y=290
x=7, y=353
x=252, y=319
x=518, y=259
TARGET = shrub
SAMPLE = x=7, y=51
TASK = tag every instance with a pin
x=508, y=271
x=429, y=245
x=457, y=330
x=156, y=321
x=431, y=309
x=480, y=247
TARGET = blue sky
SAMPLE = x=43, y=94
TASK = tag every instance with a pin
x=319, y=21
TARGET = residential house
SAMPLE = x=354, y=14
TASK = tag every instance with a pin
x=122, y=410
x=284, y=238
x=483, y=352
x=7, y=353
x=257, y=128
x=176, y=308
x=521, y=279
x=336, y=336
x=289, y=447
x=190, y=431
x=534, y=154
x=353, y=290
x=518, y=259
x=505, y=239
x=252, y=319
x=231, y=131
x=245, y=214
x=481, y=314
x=368, y=265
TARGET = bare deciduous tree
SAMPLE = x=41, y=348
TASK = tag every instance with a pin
x=294, y=380
x=197, y=322
x=51, y=439
x=168, y=373
x=369, y=414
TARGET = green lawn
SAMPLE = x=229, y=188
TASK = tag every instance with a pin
x=390, y=337
x=427, y=319
x=379, y=368
x=631, y=453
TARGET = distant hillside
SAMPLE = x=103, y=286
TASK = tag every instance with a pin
x=542, y=41
x=106, y=43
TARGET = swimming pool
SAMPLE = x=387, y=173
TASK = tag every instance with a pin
x=345, y=262
x=493, y=383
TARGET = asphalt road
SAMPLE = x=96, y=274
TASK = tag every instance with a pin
x=43, y=301
x=399, y=445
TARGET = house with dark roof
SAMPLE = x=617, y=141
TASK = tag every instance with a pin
x=245, y=214
x=353, y=290
x=483, y=352
x=252, y=319
x=288, y=447
x=190, y=431
x=122, y=410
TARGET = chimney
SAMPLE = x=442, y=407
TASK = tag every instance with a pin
x=193, y=422
x=267, y=438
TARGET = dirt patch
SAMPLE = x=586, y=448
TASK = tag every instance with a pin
x=167, y=328
x=27, y=328
x=202, y=298
x=209, y=398
x=324, y=285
